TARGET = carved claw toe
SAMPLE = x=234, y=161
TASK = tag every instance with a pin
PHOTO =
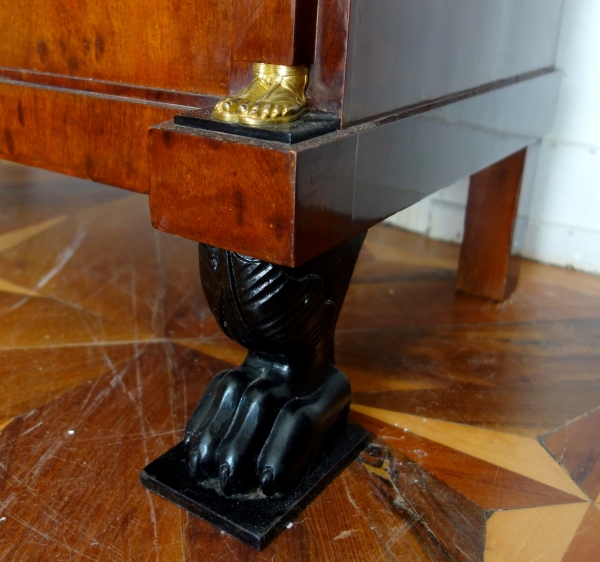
x=302, y=431
x=267, y=481
x=224, y=476
x=265, y=435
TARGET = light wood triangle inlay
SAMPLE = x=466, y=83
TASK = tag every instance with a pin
x=522, y=455
x=14, y=237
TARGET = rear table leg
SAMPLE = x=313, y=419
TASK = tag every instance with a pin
x=486, y=267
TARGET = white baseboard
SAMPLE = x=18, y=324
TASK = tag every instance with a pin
x=543, y=241
x=562, y=245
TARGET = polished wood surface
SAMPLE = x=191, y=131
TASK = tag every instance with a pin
x=206, y=47
x=173, y=46
x=434, y=49
x=274, y=31
x=85, y=88
x=129, y=91
x=202, y=193
x=100, y=92
x=576, y=446
x=328, y=73
x=287, y=203
x=174, y=53
x=484, y=415
x=94, y=136
x=79, y=74
x=487, y=267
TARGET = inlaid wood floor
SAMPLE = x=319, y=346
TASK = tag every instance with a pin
x=486, y=417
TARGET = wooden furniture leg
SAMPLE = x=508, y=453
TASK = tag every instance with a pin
x=269, y=435
x=486, y=267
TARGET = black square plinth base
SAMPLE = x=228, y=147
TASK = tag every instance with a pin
x=307, y=127
x=254, y=521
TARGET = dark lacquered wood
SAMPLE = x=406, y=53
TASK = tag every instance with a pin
x=487, y=267
x=434, y=50
x=104, y=331
x=272, y=436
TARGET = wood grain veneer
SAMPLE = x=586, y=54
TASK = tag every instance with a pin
x=94, y=136
x=232, y=195
x=274, y=31
x=328, y=73
x=409, y=52
x=174, y=45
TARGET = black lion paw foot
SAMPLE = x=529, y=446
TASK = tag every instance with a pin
x=255, y=430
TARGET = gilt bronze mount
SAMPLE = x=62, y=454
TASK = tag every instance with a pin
x=276, y=95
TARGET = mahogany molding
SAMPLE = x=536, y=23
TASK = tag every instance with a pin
x=87, y=135
x=274, y=31
x=108, y=88
x=328, y=73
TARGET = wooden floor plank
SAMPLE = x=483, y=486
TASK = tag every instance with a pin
x=542, y=533
x=42, y=322
x=529, y=358
x=577, y=447
x=522, y=455
x=485, y=484
x=459, y=527
x=13, y=238
x=31, y=377
x=585, y=545
x=8, y=287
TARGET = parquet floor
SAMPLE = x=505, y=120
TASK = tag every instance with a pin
x=486, y=417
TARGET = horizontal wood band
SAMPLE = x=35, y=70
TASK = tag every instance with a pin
x=206, y=185
x=108, y=88
x=324, y=190
x=92, y=136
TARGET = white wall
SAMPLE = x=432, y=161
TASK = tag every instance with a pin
x=559, y=212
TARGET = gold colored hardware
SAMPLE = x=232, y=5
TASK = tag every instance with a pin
x=276, y=95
